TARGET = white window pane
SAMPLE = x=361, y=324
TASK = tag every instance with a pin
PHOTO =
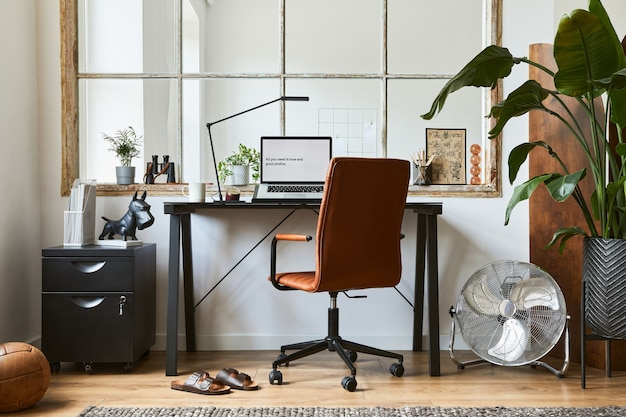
x=236, y=36
x=346, y=109
x=433, y=37
x=110, y=105
x=127, y=36
x=408, y=99
x=333, y=36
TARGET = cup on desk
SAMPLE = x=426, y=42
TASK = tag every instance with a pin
x=195, y=192
x=233, y=194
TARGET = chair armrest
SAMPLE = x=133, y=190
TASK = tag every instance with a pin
x=292, y=237
x=283, y=237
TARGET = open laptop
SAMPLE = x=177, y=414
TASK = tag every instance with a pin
x=293, y=168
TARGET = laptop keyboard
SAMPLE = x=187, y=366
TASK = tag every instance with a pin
x=295, y=188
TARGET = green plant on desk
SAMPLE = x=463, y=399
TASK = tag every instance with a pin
x=244, y=156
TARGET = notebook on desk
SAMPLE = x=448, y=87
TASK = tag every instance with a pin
x=292, y=168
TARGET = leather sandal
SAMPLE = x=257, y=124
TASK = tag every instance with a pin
x=235, y=379
x=201, y=382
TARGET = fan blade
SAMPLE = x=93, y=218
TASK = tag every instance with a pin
x=534, y=292
x=512, y=343
x=480, y=297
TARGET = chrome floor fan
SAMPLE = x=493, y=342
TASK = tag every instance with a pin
x=511, y=313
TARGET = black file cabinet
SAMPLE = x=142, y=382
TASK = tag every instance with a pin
x=98, y=304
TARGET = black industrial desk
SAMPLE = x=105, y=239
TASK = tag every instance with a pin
x=180, y=230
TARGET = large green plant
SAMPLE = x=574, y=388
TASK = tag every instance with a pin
x=591, y=63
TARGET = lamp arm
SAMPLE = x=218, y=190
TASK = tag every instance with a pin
x=217, y=175
x=283, y=98
x=242, y=112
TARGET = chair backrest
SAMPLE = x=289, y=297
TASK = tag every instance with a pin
x=358, y=231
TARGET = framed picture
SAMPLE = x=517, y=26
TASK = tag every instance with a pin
x=448, y=145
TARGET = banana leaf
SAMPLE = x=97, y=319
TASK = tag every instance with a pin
x=484, y=70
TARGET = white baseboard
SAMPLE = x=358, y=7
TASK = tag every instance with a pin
x=272, y=342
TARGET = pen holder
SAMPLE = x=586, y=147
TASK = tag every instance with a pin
x=422, y=174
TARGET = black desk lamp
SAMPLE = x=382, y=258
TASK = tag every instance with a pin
x=208, y=125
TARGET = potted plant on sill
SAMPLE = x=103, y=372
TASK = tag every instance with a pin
x=591, y=63
x=126, y=145
x=235, y=169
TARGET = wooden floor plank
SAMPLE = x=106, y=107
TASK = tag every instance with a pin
x=316, y=381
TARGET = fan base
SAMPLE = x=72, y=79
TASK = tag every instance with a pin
x=559, y=373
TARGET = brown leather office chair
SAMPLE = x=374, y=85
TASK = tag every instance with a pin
x=357, y=247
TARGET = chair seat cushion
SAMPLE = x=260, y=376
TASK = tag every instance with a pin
x=304, y=281
x=24, y=376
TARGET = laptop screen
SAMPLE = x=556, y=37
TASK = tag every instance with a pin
x=295, y=159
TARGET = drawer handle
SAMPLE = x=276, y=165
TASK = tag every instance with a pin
x=88, y=302
x=88, y=267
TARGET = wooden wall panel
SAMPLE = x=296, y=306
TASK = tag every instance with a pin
x=546, y=215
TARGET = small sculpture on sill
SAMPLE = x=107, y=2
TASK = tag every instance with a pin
x=138, y=216
x=154, y=169
x=475, y=160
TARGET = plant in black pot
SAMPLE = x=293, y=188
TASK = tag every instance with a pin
x=591, y=64
x=126, y=145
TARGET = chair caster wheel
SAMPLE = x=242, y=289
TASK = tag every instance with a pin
x=396, y=369
x=352, y=355
x=128, y=367
x=55, y=367
x=89, y=368
x=349, y=383
x=276, y=377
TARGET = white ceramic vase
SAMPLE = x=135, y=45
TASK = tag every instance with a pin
x=240, y=176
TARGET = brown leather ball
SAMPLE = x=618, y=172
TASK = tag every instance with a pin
x=24, y=376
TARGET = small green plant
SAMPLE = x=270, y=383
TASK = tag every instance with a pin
x=125, y=143
x=243, y=157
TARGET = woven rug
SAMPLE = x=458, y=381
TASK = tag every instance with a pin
x=354, y=412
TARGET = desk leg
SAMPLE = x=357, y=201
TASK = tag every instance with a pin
x=190, y=321
x=171, y=341
x=420, y=267
x=433, y=296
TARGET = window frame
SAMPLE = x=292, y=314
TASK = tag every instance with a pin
x=70, y=76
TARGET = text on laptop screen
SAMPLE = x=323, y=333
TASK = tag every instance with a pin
x=294, y=159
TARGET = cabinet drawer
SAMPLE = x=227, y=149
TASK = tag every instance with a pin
x=88, y=327
x=88, y=274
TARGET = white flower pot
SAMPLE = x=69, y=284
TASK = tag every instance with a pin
x=240, y=176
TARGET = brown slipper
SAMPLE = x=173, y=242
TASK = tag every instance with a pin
x=201, y=382
x=235, y=379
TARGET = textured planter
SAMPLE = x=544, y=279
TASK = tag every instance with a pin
x=604, y=277
x=240, y=176
x=125, y=175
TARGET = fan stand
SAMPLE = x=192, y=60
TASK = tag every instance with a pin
x=559, y=373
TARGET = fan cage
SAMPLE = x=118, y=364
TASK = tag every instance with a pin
x=511, y=313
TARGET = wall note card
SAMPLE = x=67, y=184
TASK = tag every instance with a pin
x=354, y=131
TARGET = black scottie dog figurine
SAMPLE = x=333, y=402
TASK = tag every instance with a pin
x=138, y=216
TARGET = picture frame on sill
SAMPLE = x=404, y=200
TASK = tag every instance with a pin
x=448, y=167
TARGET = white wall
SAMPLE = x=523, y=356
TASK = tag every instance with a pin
x=20, y=222
x=245, y=312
